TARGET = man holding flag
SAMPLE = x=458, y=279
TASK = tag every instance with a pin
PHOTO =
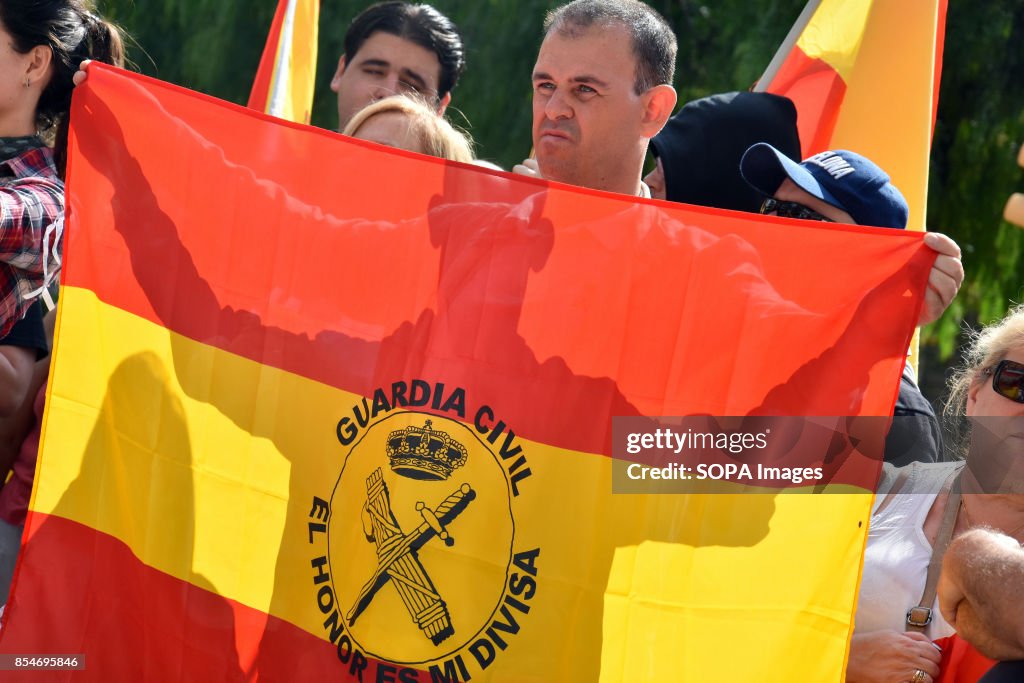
x=845, y=187
x=602, y=88
x=593, y=119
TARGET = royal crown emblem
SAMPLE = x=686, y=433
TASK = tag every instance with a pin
x=424, y=453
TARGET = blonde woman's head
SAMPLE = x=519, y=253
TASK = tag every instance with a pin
x=410, y=124
x=999, y=341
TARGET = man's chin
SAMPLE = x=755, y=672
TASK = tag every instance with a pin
x=553, y=168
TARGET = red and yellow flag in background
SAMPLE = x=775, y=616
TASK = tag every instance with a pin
x=286, y=76
x=864, y=76
x=344, y=412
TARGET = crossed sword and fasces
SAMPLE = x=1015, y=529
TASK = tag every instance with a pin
x=397, y=559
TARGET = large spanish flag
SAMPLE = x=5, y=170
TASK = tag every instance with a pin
x=286, y=75
x=864, y=76
x=324, y=410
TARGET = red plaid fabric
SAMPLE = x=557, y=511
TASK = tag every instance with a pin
x=31, y=226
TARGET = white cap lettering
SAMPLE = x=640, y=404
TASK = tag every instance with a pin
x=835, y=165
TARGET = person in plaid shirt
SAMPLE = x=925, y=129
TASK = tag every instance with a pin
x=41, y=44
x=31, y=216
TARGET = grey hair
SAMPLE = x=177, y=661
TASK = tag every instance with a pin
x=654, y=43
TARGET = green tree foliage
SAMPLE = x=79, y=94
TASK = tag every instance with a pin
x=214, y=46
x=979, y=130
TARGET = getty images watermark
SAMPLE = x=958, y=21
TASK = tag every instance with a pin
x=747, y=454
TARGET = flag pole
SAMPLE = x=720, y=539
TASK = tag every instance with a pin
x=787, y=45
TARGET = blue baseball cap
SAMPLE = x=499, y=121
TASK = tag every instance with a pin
x=844, y=179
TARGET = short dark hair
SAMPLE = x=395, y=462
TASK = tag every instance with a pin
x=654, y=43
x=419, y=24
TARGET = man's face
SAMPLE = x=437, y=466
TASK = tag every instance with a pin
x=385, y=65
x=586, y=116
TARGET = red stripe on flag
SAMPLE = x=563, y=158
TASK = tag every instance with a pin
x=471, y=279
x=940, y=42
x=817, y=90
x=80, y=591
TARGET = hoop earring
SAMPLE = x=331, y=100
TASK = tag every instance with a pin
x=28, y=82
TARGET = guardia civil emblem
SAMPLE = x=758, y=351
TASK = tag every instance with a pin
x=420, y=538
x=416, y=568
x=417, y=453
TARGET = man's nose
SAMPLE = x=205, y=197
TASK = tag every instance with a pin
x=386, y=87
x=558, y=107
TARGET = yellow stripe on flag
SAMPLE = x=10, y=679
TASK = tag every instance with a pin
x=835, y=32
x=887, y=112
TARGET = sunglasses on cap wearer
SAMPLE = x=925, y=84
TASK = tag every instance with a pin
x=792, y=210
x=1008, y=380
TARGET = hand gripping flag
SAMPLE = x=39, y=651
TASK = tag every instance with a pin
x=286, y=76
x=343, y=412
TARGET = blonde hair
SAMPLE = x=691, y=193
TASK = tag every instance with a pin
x=438, y=137
x=986, y=349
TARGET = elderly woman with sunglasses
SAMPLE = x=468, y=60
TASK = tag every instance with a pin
x=897, y=613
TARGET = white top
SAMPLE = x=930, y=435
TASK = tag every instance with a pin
x=897, y=555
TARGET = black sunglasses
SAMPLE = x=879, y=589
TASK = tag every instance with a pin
x=1008, y=380
x=792, y=210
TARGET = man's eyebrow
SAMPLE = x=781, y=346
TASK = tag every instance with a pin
x=589, y=80
x=584, y=79
x=374, y=61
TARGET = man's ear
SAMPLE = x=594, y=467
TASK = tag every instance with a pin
x=336, y=80
x=40, y=59
x=443, y=104
x=658, y=102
